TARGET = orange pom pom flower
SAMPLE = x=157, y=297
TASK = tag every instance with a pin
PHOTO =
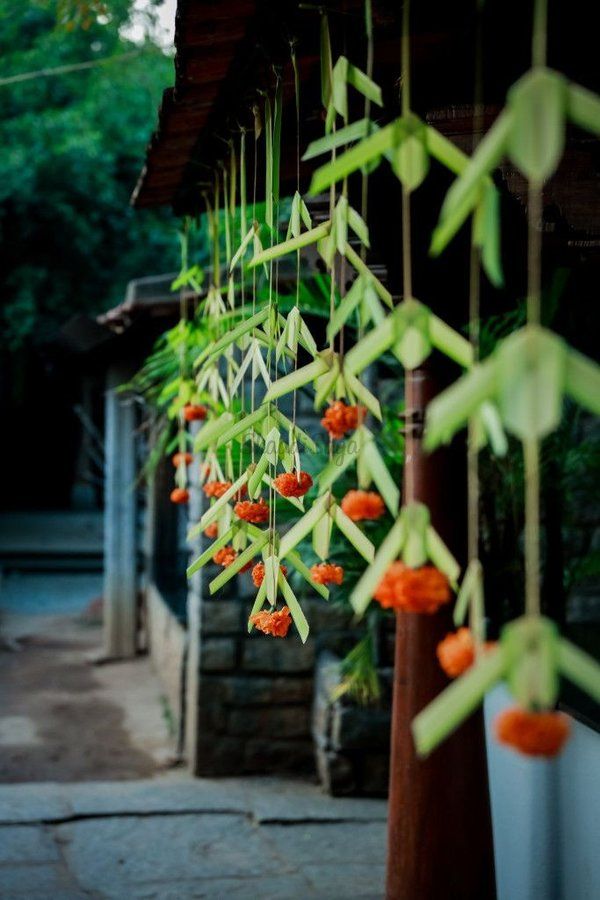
x=258, y=573
x=275, y=623
x=225, y=556
x=212, y=530
x=252, y=512
x=532, y=733
x=293, y=485
x=363, y=505
x=180, y=458
x=194, y=412
x=216, y=488
x=340, y=418
x=327, y=573
x=456, y=652
x=421, y=590
x=180, y=495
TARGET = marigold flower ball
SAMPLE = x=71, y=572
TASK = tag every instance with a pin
x=532, y=733
x=180, y=495
x=456, y=652
x=340, y=418
x=180, y=458
x=194, y=412
x=212, y=530
x=248, y=511
x=292, y=484
x=275, y=623
x=327, y=573
x=363, y=505
x=216, y=488
x=225, y=556
x=421, y=590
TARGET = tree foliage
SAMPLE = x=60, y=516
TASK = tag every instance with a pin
x=70, y=150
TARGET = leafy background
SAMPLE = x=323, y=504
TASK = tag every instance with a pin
x=70, y=153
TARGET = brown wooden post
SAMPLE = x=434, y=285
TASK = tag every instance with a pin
x=439, y=826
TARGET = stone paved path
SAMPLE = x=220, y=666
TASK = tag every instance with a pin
x=174, y=838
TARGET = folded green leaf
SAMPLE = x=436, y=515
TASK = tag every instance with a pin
x=238, y=563
x=379, y=471
x=213, y=511
x=451, y=410
x=352, y=532
x=368, y=150
x=212, y=431
x=294, y=607
x=471, y=587
x=362, y=269
x=297, y=379
x=303, y=526
x=538, y=105
x=295, y=559
x=339, y=138
x=579, y=668
x=208, y=554
x=582, y=381
x=388, y=551
x=296, y=243
x=583, y=108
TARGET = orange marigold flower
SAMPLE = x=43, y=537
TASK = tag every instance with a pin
x=252, y=512
x=327, y=573
x=258, y=573
x=216, y=488
x=456, y=653
x=276, y=623
x=180, y=495
x=212, y=530
x=355, y=416
x=194, y=412
x=179, y=458
x=293, y=485
x=225, y=556
x=532, y=733
x=339, y=418
x=421, y=590
x=360, y=505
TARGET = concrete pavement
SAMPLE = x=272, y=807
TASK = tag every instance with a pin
x=173, y=838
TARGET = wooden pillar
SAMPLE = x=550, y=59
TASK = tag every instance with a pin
x=120, y=545
x=439, y=829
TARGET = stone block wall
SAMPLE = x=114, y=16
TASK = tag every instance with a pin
x=351, y=742
x=255, y=693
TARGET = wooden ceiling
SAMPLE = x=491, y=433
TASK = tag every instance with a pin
x=227, y=52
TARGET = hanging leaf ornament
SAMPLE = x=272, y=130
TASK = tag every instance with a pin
x=526, y=379
x=530, y=657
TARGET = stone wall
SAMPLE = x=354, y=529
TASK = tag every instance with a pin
x=351, y=741
x=254, y=692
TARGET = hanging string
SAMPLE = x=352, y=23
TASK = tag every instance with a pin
x=243, y=230
x=256, y=113
x=297, y=98
x=473, y=489
x=531, y=447
x=332, y=198
x=364, y=194
x=409, y=478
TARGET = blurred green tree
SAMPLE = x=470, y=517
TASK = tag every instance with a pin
x=71, y=147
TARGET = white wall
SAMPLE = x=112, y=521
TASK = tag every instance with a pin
x=546, y=817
